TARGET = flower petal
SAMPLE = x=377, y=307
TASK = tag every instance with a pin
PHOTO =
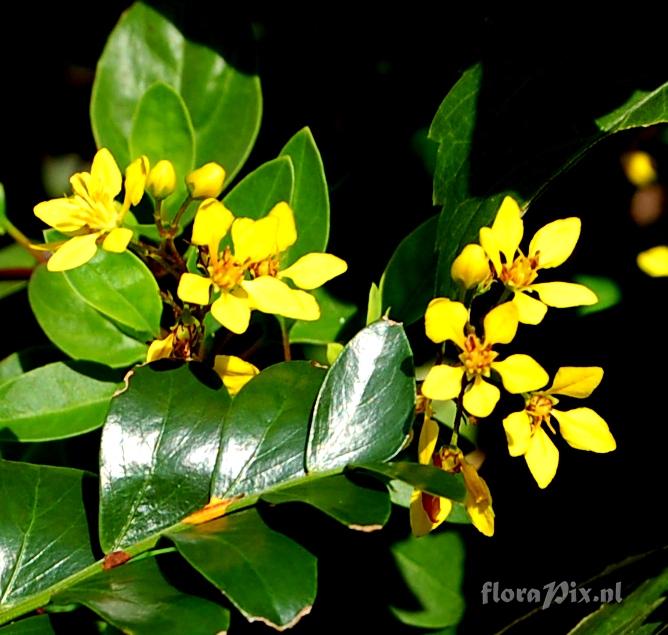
x=271, y=295
x=287, y=230
x=443, y=382
x=584, y=429
x=232, y=311
x=482, y=517
x=313, y=270
x=508, y=228
x=421, y=524
x=194, y=289
x=212, y=222
x=445, y=320
x=135, y=180
x=576, y=381
x=518, y=432
x=489, y=244
x=234, y=371
x=564, y=294
x=478, y=501
x=74, y=253
x=654, y=261
x=106, y=179
x=529, y=310
x=500, y=324
x=555, y=242
x=521, y=373
x=63, y=214
x=117, y=240
x=160, y=349
x=481, y=397
x=255, y=240
x=542, y=458
x=427, y=441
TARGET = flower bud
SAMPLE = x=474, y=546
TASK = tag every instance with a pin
x=471, y=267
x=161, y=180
x=639, y=168
x=207, y=181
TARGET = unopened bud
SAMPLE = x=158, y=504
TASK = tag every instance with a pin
x=207, y=181
x=639, y=168
x=471, y=267
x=161, y=180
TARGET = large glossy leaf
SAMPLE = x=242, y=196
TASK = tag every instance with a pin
x=15, y=261
x=310, y=199
x=354, y=505
x=137, y=599
x=44, y=536
x=366, y=403
x=259, y=191
x=265, y=430
x=159, y=447
x=334, y=316
x=408, y=282
x=267, y=576
x=38, y=625
x=433, y=569
x=56, y=401
x=161, y=129
x=225, y=104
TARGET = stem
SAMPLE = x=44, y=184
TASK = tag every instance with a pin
x=174, y=224
x=458, y=417
x=157, y=217
x=17, y=273
x=287, y=353
x=22, y=240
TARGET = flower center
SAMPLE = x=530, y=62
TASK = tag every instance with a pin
x=539, y=408
x=266, y=267
x=226, y=272
x=521, y=272
x=477, y=357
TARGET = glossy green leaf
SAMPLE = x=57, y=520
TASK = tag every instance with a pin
x=16, y=260
x=310, y=199
x=257, y=193
x=267, y=576
x=56, y=401
x=136, y=598
x=265, y=430
x=408, y=282
x=37, y=625
x=159, y=446
x=608, y=292
x=365, y=406
x=44, y=536
x=225, y=104
x=427, y=478
x=433, y=569
x=334, y=316
x=161, y=129
x=354, y=505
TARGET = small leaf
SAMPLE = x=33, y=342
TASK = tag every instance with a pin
x=158, y=451
x=334, y=316
x=374, y=307
x=608, y=292
x=56, y=401
x=267, y=576
x=366, y=403
x=265, y=430
x=137, y=599
x=37, y=625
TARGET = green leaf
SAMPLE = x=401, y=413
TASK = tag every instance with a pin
x=374, y=307
x=310, y=199
x=334, y=316
x=13, y=257
x=44, y=536
x=161, y=129
x=426, y=478
x=56, y=401
x=365, y=406
x=267, y=576
x=257, y=193
x=433, y=569
x=16, y=364
x=225, y=104
x=137, y=599
x=37, y=625
x=265, y=430
x=158, y=451
x=408, y=281
x=608, y=292
x=353, y=505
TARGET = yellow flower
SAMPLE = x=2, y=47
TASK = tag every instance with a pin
x=234, y=371
x=471, y=267
x=639, y=168
x=426, y=511
x=582, y=428
x=92, y=214
x=248, y=275
x=447, y=320
x=654, y=261
x=550, y=247
x=207, y=181
x=178, y=343
x=161, y=181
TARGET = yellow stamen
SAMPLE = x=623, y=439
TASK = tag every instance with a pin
x=477, y=357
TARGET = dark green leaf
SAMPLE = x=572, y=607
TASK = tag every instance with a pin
x=159, y=447
x=44, y=536
x=267, y=576
x=608, y=292
x=354, y=505
x=225, y=104
x=13, y=257
x=365, y=406
x=334, y=316
x=38, y=625
x=433, y=569
x=56, y=401
x=423, y=477
x=256, y=194
x=408, y=282
x=310, y=199
x=265, y=430
x=137, y=599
